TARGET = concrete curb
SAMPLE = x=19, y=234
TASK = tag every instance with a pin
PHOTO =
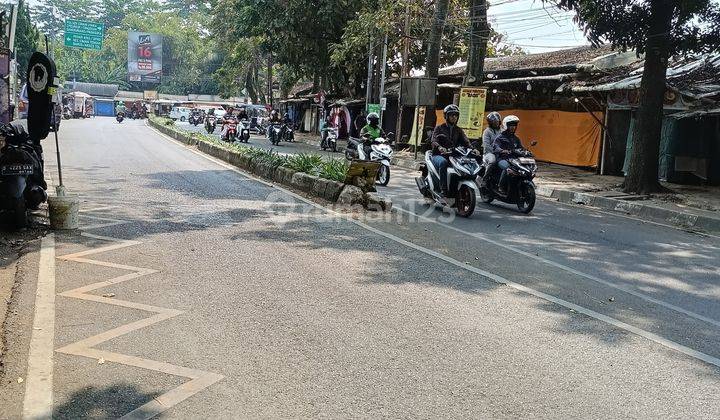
x=318, y=187
x=642, y=211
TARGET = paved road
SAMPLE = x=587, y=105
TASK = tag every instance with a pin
x=268, y=306
x=261, y=142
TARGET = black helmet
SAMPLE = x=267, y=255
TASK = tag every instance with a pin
x=451, y=110
x=373, y=117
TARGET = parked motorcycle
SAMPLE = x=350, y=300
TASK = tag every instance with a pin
x=275, y=133
x=375, y=150
x=520, y=185
x=231, y=132
x=329, y=140
x=461, y=174
x=210, y=124
x=120, y=117
x=22, y=182
x=244, y=131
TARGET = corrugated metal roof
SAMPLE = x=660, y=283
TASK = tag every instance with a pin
x=92, y=89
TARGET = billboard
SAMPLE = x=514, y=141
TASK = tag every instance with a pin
x=144, y=57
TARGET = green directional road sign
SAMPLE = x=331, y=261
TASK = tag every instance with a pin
x=84, y=34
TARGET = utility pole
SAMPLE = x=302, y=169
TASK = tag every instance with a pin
x=405, y=72
x=382, y=75
x=269, y=79
x=368, y=86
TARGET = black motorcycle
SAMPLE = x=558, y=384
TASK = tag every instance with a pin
x=520, y=185
x=22, y=181
x=196, y=119
x=275, y=133
x=120, y=117
x=210, y=124
x=288, y=133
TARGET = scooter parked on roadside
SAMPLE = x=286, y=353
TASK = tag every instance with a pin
x=22, y=181
x=462, y=190
x=373, y=150
x=520, y=188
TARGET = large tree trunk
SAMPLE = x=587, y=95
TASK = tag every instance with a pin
x=642, y=176
x=250, y=86
x=479, y=34
x=432, y=62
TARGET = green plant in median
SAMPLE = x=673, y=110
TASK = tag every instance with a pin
x=334, y=169
x=305, y=162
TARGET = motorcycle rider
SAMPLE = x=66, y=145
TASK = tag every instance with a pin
x=371, y=131
x=446, y=137
x=225, y=121
x=492, y=132
x=504, y=147
x=242, y=114
x=120, y=109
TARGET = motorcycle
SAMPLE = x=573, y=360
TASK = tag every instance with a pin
x=520, y=185
x=275, y=133
x=379, y=150
x=288, y=133
x=244, y=130
x=120, y=117
x=461, y=174
x=231, y=132
x=329, y=141
x=196, y=119
x=22, y=182
x=210, y=124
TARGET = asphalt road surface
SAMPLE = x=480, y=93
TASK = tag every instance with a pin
x=196, y=291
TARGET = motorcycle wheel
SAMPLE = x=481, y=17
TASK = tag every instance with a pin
x=486, y=195
x=18, y=213
x=383, y=175
x=526, y=202
x=465, y=202
x=348, y=155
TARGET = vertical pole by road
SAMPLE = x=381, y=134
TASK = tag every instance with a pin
x=404, y=73
x=382, y=75
x=368, y=87
x=269, y=80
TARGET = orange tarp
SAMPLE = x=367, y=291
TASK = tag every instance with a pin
x=567, y=138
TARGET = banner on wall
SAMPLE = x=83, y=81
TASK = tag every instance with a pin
x=472, y=111
x=144, y=57
x=418, y=121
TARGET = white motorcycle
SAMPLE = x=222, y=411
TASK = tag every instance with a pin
x=379, y=150
x=462, y=171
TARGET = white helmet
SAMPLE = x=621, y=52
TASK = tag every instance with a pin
x=510, y=120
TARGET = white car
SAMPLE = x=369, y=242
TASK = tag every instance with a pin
x=180, y=113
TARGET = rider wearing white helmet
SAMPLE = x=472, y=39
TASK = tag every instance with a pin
x=505, y=145
x=446, y=137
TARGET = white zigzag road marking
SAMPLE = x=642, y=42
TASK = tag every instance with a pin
x=199, y=380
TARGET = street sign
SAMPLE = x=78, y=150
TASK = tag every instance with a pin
x=84, y=34
x=472, y=110
x=383, y=104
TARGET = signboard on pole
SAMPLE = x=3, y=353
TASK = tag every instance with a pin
x=84, y=34
x=144, y=57
x=418, y=91
x=472, y=111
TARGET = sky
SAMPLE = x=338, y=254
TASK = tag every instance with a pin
x=535, y=26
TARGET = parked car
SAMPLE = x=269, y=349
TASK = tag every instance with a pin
x=180, y=113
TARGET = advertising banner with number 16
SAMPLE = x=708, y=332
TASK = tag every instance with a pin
x=144, y=57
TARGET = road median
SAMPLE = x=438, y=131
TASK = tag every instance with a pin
x=272, y=166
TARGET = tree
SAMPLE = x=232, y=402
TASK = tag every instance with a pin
x=659, y=29
x=479, y=36
x=26, y=39
x=432, y=64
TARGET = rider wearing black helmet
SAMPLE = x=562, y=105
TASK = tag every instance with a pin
x=446, y=137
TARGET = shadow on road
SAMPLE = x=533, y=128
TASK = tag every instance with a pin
x=103, y=403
